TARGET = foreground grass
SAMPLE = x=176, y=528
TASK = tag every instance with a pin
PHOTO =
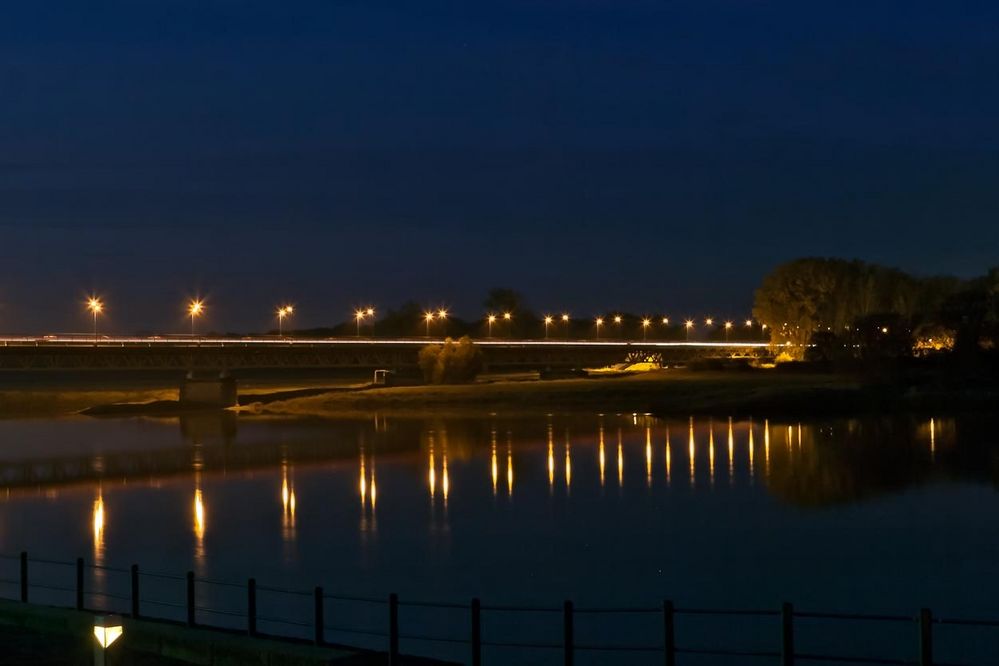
x=54, y=402
x=662, y=391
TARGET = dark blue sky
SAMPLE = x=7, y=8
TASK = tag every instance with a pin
x=650, y=156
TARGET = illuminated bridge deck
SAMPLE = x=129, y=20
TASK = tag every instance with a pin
x=160, y=353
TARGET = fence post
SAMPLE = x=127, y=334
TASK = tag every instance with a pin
x=786, y=634
x=318, y=603
x=476, y=632
x=24, y=576
x=190, y=598
x=135, y=591
x=79, y=583
x=567, y=632
x=669, y=637
x=925, y=637
x=251, y=606
x=393, y=655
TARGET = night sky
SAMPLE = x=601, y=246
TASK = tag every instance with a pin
x=647, y=156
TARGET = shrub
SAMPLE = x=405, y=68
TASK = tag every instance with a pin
x=452, y=362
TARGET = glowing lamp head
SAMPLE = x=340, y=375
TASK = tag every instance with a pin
x=749, y=322
x=491, y=318
x=549, y=319
x=359, y=314
x=709, y=321
x=689, y=324
x=428, y=316
x=507, y=316
x=289, y=309
x=370, y=312
x=565, y=317
x=95, y=305
x=442, y=313
x=728, y=324
x=884, y=329
x=665, y=321
x=195, y=308
x=600, y=320
x=107, y=629
x=617, y=319
x=646, y=323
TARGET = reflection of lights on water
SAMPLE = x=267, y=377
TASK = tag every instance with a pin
x=620, y=460
x=509, y=463
x=568, y=463
x=766, y=446
x=933, y=439
x=445, y=481
x=431, y=473
x=603, y=457
x=648, y=456
x=711, y=451
x=669, y=458
x=199, y=515
x=731, y=451
x=751, y=470
x=690, y=450
x=551, y=460
x=494, y=465
x=98, y=526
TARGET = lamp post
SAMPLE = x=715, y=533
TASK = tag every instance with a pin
x=508, y=317
x=645, y=328
x=442, y=315
x=370, y=312
x=599, y=322
x=688, y=325
x=96, y=307
x=548, y=322
x=195, y=308
x=428, y=317
x=490, y=320
x=283, y=312
x=358, y=316
x=728, y=327
x=565, y=320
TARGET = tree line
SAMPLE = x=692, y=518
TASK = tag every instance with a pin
x=834, y=308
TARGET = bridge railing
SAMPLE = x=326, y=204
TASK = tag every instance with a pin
x=388, y=623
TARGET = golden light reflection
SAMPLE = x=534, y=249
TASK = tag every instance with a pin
x=98, y=526
x=668, y=457
x=731, y=452
x=620, y=460
x=603, y=457
x=509, y=463
x=445, y=480
x=431, y=473
x=690, y=450
x=711, y=451
x=933, y=439
x=568, y=464
x=648, y=456
x=288, y=504
x=494, y=465
x=766, y=447
x=751, y=467
x=551, y=460
x=362, y=483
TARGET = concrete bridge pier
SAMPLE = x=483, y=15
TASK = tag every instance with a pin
x=201, y=391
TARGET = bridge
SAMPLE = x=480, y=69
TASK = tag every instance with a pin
x=79, y=353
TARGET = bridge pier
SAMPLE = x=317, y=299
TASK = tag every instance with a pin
x=219, y=391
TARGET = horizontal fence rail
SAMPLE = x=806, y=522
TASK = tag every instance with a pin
x=467, y=634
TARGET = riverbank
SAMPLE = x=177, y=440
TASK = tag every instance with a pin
x=661, y=392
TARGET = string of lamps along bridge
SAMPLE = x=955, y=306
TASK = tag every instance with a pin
x=436, y=322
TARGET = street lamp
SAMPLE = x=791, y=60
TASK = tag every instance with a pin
x=428, y=317
x=689, y=324
x=548, y=322
x=728, y=327
x=96, y=307
x=709, y=321
x=600, y=322
x=617, y=320
x=507, y=317
x=645, y=328
x=490, y=320
x=749, y=323
x=283, y=312
x=565, y=320
x=358, y=316
x=195, y=309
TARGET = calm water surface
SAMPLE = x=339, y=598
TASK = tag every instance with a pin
x=869, y=515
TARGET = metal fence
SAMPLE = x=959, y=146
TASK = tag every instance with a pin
x=163, y=596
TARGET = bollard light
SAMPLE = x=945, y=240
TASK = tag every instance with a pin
x=107, y=629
